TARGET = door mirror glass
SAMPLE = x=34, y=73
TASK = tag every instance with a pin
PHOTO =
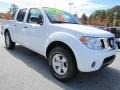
x=34, y=19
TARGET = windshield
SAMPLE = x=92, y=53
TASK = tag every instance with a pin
x=60, y=16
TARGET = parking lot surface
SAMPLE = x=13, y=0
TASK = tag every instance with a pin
x=23, y=69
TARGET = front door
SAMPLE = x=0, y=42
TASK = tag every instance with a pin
x=34, y=31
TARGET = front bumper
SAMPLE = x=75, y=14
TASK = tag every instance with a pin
x=89, y=60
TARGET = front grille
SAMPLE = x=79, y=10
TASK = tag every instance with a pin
x=107, y=43
x=108, y=60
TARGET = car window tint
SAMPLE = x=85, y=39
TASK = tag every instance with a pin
x=33, y=13
x=21, y=15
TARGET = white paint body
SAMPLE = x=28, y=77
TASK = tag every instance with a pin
x=38, y=37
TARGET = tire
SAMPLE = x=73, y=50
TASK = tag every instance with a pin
x=66, y=64
x=8, y=42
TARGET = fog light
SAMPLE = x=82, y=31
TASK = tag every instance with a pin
x=93, y=64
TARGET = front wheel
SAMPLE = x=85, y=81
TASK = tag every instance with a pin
x=62, y=64
x=8, y=42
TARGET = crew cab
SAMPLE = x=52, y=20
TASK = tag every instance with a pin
x=67, y=45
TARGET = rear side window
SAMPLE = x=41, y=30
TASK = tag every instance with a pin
x=21, y=15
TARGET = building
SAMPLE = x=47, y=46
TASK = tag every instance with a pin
x=5, y=16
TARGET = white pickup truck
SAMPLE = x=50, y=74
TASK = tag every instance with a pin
x=67, y=45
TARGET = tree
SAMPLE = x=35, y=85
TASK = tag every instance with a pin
x=111, y=13
x=12, y=10
x=105, y=17
x=84, y=19
x=76, y=15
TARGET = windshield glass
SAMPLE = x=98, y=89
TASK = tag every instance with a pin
x=60, y=16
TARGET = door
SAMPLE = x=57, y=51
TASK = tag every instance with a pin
x=19, y=25
x=34, y=30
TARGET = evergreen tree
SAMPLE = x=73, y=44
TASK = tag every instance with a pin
x=84, y=19
x=105, y=17
x=12, y=10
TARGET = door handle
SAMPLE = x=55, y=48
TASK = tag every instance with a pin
x=15, y=25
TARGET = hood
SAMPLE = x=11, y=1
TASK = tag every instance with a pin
x=85, y=30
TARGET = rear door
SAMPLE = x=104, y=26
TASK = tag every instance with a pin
x=19, y=25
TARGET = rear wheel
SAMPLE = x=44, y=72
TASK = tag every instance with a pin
x=62, y=64
x=8, y=42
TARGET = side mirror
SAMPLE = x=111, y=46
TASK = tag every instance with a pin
x=40, y=20
x=34, y=19
x=37, y=20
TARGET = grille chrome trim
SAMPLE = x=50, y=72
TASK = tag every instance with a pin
x=107, y=43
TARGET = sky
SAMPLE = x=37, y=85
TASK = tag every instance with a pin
x=78, y=6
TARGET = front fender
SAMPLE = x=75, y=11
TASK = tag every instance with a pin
x=66, y=38
x=78, y=48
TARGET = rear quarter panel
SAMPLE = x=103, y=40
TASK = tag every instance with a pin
x=9, y=25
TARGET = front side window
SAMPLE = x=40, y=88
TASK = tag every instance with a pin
x=21, y=15
x=34, y=16
x=60, y=16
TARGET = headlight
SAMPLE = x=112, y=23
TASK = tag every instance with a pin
x=91, y=42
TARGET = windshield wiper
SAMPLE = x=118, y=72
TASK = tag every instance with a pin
x=57, y=22
x=63, y=22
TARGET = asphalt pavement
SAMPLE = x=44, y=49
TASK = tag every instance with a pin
x=23, y=69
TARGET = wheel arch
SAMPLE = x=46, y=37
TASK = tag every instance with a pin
x=62, y=44
x=6, y=30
